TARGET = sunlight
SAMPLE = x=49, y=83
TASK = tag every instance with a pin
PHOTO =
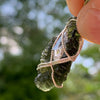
x=3, y=40
x=18, y=30
x=88, y=62
x=15, y=50
x=13, y=47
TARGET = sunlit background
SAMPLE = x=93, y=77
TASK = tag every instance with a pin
x=26, y=26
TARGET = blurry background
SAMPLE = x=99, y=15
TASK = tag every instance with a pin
x=26, y=26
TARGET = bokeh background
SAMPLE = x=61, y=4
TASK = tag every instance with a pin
x=26, y=26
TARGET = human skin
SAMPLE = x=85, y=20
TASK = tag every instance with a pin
x=88, y=18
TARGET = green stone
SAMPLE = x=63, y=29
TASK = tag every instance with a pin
x=43, y=80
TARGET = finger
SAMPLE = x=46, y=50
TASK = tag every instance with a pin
x=75, y=6
x=88, y=21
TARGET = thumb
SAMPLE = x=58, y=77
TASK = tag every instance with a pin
x=88, y=21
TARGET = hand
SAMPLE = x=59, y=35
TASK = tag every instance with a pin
x=88, y=18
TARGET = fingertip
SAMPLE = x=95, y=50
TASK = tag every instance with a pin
x=75, y=6
x=89, y=26
x=88, y=21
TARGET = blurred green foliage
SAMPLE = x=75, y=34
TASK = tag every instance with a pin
x=25, y=28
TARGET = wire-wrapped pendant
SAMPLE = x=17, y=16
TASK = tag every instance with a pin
x=57, y=57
